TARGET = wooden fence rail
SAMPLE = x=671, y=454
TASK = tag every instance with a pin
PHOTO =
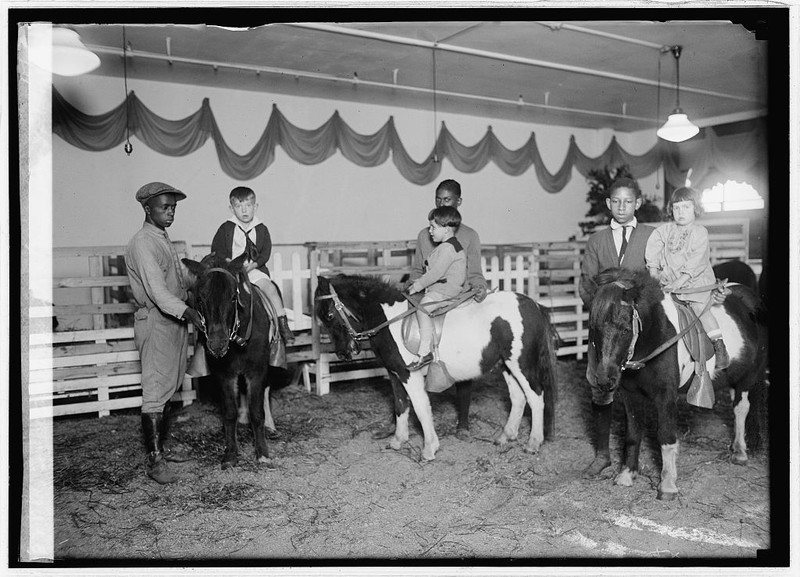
x=96, y=369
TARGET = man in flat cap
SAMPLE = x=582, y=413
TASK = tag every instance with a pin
x=160, y=321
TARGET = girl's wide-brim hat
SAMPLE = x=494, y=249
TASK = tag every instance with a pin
x=154, y=189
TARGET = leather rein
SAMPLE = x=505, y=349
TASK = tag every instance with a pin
x=234, y=334
x=346, y=314
x=637, y=325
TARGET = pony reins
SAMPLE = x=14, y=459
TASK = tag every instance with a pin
x=345, y=312
x=640, y=363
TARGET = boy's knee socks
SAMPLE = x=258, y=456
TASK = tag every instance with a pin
x=425, y=335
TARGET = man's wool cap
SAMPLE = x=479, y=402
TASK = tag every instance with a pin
x=154, y=189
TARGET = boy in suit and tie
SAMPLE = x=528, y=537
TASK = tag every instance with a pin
x=622, y=244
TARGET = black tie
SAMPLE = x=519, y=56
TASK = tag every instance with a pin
x=249, y=248
x=624, y=245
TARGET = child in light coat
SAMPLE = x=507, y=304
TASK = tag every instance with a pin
x=445, y=273
x=677, y=254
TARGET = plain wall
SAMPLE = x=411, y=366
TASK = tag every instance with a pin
x=93, y=196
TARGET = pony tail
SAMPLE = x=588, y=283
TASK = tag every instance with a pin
x=547, y=374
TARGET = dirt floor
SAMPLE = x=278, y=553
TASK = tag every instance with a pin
x=332, y=492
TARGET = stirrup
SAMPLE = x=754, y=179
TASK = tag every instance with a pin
x=420, y=363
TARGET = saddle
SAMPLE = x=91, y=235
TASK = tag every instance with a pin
x=410, y=327
x=701, y=391
x=277, y=350
x=437, y=379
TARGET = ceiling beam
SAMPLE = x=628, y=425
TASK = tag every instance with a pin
x=357, y=81
x=508, y=58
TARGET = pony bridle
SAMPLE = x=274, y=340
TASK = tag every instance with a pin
x=345, y=314
x=234, y=334
x=636, y=327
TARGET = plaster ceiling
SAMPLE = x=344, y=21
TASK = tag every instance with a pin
x=585, y=74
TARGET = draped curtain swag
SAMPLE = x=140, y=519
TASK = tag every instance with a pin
x=732, y=156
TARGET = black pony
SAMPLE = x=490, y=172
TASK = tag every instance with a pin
x=506, y=331
x=237, y=338
x=627, y=303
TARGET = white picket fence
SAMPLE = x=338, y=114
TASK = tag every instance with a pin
x=95, y=368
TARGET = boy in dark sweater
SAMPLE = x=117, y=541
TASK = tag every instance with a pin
x=245, y=233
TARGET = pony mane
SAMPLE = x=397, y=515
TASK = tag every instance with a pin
x=617, y=285
x=367, y=287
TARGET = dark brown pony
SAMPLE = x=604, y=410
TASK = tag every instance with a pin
x=622, y=296
x=236, y=338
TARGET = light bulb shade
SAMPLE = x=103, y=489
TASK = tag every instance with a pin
x=677, y=128
x=64, y=54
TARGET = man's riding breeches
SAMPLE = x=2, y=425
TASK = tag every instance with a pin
x=163, y=343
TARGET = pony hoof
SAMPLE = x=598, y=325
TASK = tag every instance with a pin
x=266, y=461
x=383, y=433
x=665, y=496
x=533, y=449
x=272, y=434
x=625, y=479
x=228, y=463
x=501, y=439
x=596, y=467
x=463, y=434
x=739, y=460
x=395, y=444
x=428, y=454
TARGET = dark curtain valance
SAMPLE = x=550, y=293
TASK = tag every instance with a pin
x=727, y=155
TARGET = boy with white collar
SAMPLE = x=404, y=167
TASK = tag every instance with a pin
x=245, y=233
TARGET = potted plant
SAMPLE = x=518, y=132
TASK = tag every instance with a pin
x=599, y=215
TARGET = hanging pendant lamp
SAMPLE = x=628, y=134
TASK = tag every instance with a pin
x=678, y=127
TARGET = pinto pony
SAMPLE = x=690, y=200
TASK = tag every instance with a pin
x=507, y=331
x=237, y=336
x=626, y=303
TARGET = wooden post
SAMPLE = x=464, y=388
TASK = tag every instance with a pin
x=576, y=267
x=313, y=266
x=323, y=375
x=98, y=296
x=533, y=274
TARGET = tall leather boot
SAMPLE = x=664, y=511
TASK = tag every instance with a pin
x=176, y=454
x=286, y=333
x=156, y=465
